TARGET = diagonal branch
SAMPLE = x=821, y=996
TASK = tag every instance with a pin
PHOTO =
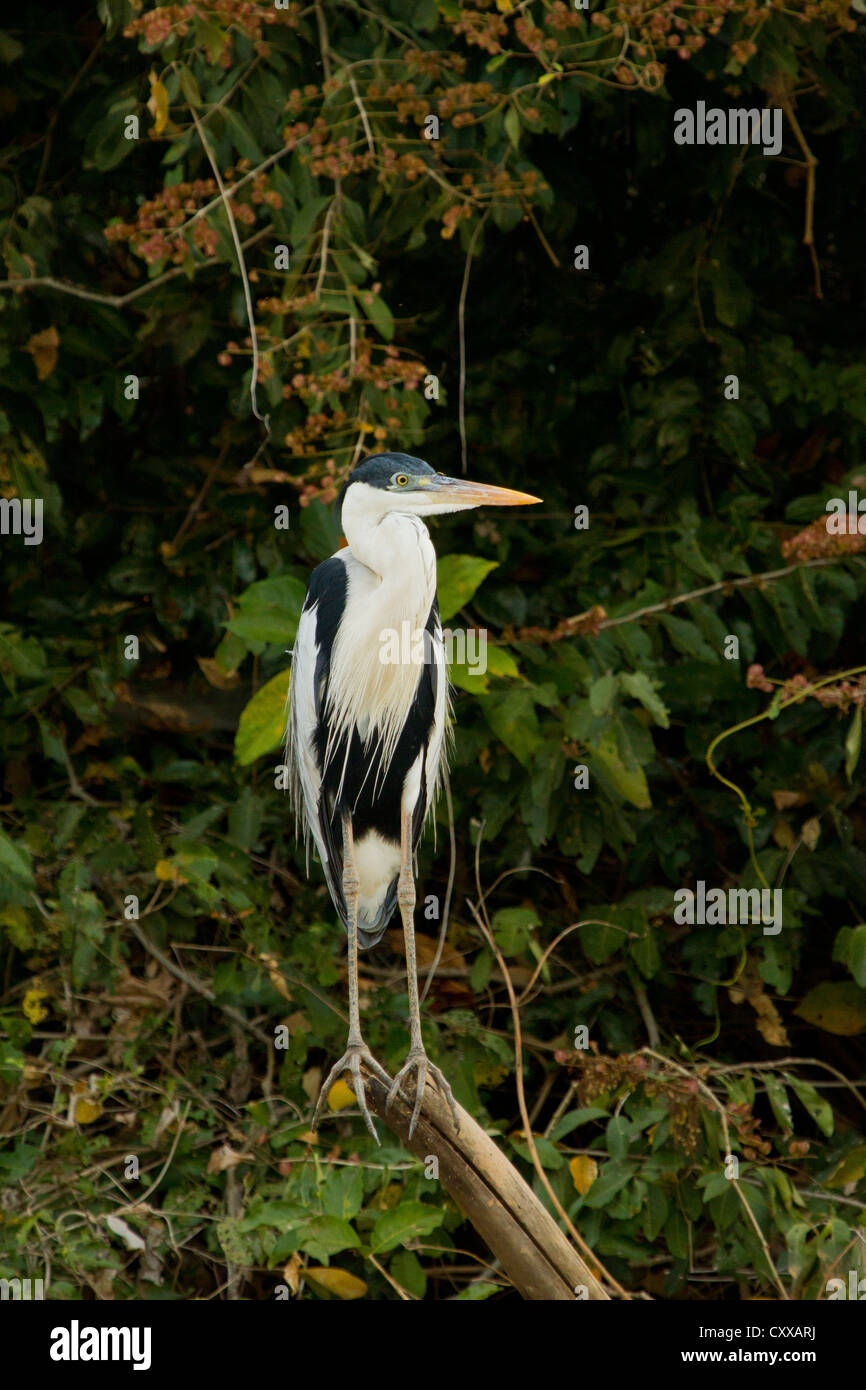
x=595, y=619
x=490, y=1192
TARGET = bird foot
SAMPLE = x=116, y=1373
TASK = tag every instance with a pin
x=351, y=1060
x=420, y=1063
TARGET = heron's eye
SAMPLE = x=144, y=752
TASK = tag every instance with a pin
x=400, y=480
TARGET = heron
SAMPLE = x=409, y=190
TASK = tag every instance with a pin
x=366, y=733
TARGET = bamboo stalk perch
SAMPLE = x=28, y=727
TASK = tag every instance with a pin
x=504, y=1210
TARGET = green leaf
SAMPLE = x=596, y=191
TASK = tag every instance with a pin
x=512, y=717
x=778, y=1098
x=407, y=1269
x=512, y=125
x=626, y=778
x=406, y=1222
x=230, y=653
x=325, y=1236
x=263, y=721
x=212, y=37
x=280, y=1214
x=732, y=298
x=344, y=1193
x=613, y=1176
x=241, y=136
x=17, y=1164
x=677, y=1234
x=575, y=1119
x=188, y=85
x=850, y=948
x=245, y=819
x=489, y=661
x=476, y=1293
x=655, y=1213
x=500, y=662
x=820, y=1109
x=617, y=1136
x=548, y=1155
x=645, y=952
x=14, y=861
x=19, y=655
x=796, y=1237
x=270, y=610
x=480, y=972
x=601, y=694
x=640, y=687
x=10, y=48
x=457, y=578
x=320, y=530
x=687, y=639
x=379, y=315
x=512, y=928
x=853, y=740
x=305, y=218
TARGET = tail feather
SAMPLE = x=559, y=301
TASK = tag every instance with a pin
x=372, y=929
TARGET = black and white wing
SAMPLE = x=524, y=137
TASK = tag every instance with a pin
x=435, y=760
x=308, y=692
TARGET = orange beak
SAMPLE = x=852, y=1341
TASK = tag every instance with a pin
x=467, y=494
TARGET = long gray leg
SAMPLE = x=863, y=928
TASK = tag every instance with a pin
x=417, y=1061
x=356, y=1049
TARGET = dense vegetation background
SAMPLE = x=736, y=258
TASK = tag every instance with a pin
x=158, y=927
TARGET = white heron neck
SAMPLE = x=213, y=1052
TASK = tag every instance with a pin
x=391, y=583
x=395, y=545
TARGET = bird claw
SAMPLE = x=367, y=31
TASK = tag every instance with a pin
x=351, y=1062
x=420, y=1063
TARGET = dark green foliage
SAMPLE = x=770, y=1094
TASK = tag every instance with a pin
x=147, y=777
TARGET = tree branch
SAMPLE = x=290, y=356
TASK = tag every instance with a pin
x=595, y=619
x=504, y=1210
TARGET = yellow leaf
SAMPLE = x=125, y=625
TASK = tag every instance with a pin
x=505, y=6
x=311, y=1081
x=167, y=872
x=32, y=1006
x=584, y=1171
x=338, y=1282
x=43, y=349
x=810, y=832
x=489, y=1073
x=157, y=103
x=215, y=675
x=769, y=1023
x=548, y=77
x=226, y=1157
x=340, y=1096
x=275, y=975
x=86, y=1111
x=837, y=1008
x=291, y=1272
x=850, y=1170
x=391, y=1195
x=18, y=928
x=100, y=772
